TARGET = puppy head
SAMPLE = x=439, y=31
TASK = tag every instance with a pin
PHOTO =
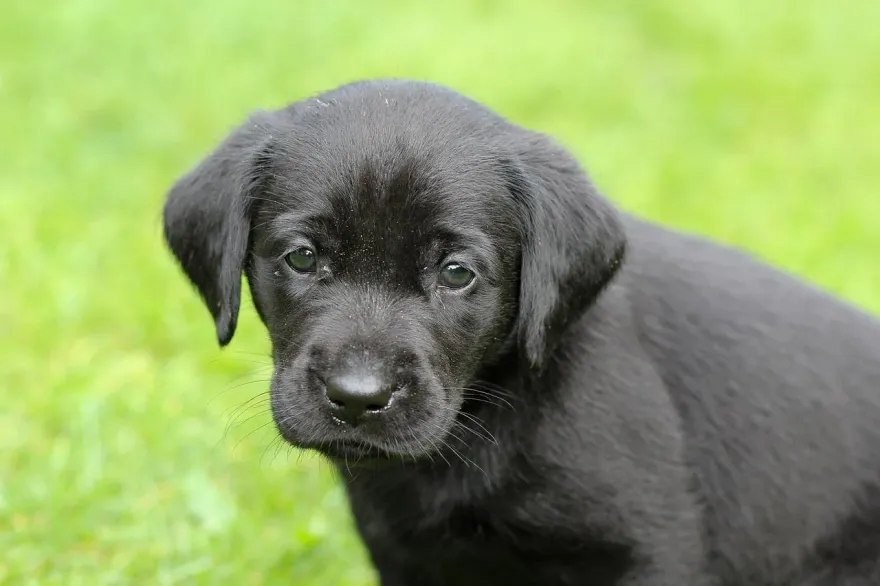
x=397, y=238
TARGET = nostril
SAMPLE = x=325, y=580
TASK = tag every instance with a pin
x=353, y=394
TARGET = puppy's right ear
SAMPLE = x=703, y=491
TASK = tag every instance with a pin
x=207, y=218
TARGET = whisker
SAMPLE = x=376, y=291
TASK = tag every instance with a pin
x=235, y=447
x=493, y=387
x=266, y=450
x=233, y=421
x=486, y=401
x=427, y=453
x=474, y=393
x=344, y=458
x=236, y=386
x=489, y=437
x=237, y=410
x=279, y=445
x=464, y=459
x=399, y=447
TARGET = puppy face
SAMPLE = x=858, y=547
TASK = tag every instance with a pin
x=397, y=239
x=384, y=288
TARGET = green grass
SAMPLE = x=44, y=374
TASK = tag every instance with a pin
x=753, y=121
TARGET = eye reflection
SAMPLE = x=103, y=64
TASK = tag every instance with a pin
x=455, y=276
x=302, y=260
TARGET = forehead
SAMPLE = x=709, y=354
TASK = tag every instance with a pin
x=352, y=193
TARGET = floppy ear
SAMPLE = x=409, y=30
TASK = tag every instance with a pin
x=573, y=242
x=206, y=218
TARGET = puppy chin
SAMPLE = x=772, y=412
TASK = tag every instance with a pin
x=359, y=453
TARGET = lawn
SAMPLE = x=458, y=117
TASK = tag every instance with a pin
x=132, y=449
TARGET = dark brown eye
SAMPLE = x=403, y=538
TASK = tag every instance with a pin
x=455, y=276
x=302, y=260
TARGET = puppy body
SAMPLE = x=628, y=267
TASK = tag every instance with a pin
x=777, y=385
x=708, y=412
x=675, y=414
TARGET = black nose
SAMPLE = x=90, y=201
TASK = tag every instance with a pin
x=353, y=394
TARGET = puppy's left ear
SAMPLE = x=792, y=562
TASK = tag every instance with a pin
x=206, y=218
x=573, y=242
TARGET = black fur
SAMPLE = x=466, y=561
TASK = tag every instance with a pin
x=609, y=402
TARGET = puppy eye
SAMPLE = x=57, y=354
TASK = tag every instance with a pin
x=455, y=276
x=302, y=260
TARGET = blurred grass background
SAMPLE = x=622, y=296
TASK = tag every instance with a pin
x=129, y=453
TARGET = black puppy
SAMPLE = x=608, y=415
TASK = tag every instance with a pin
x=520, y=384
